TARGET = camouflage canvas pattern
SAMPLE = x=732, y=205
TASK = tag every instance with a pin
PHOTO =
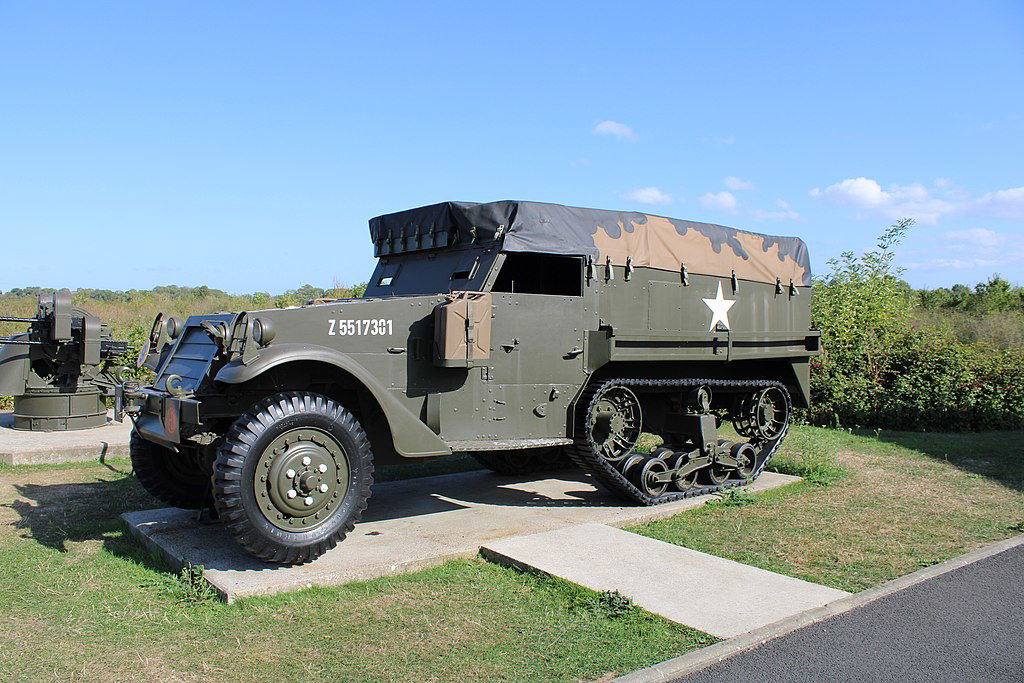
x=619, y=237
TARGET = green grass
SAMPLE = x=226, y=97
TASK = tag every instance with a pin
x=80, y=600
x=877, y=506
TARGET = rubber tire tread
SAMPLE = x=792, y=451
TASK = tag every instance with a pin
x=227, y=474
x=520, y=462
x=149, y=464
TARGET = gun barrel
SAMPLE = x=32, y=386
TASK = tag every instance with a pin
x=8, y=319
x=22, y=342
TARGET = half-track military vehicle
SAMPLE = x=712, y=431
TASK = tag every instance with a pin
x=532, y=336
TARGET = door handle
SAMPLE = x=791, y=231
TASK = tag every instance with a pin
x=573, y=352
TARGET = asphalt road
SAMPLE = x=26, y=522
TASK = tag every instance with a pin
x=965, y=625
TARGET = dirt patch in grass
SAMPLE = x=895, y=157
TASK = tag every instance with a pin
x=894, y=510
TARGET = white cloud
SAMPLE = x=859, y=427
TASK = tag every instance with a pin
x=980, y=237
x=615, y=129
x=953, y=264
x=784, y=212
x=865, y=194
x=734, y=183
x=973, y=248
x=649, y=195
x=1007, y=203
x=722, y=201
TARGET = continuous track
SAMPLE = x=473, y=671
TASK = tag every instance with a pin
x=583, y=453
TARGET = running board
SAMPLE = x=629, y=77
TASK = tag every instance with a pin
x=506, y=444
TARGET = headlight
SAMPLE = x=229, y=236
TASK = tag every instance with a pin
x=263, y=331
x=174, y=326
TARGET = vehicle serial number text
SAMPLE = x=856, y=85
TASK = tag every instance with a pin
x=360, y=328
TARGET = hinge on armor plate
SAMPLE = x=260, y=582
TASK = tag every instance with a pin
x=486, y=373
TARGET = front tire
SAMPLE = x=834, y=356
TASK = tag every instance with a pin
x=176, y=479
x=293, y=477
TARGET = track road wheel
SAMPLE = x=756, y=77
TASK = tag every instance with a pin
x=293, y=476
x=631, y=465
x=175, y=478
x=690, y=480
x=525, y=461
x=646, y=482
x=746, y=455
x=714, y=474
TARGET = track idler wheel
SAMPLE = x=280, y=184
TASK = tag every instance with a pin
x=762, y=415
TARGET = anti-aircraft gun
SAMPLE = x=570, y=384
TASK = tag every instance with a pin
x=60, y=371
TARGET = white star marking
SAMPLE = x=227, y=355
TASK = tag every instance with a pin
x=719, y=309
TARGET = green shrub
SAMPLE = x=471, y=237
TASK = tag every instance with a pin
x=879, y=368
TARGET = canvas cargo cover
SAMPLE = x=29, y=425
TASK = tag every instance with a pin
x=654, y=241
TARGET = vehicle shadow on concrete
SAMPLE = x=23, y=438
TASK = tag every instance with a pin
x=994, y=455
x=425, y=496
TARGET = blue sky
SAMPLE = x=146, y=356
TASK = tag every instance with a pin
x=245, y=145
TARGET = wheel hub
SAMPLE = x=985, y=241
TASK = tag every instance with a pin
x=302, y=476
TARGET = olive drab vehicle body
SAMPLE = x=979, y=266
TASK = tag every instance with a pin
x=529, y=335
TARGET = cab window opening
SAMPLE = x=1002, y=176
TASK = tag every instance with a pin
x=527, y=273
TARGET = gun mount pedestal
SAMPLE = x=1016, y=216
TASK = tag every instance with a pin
x=54, y=409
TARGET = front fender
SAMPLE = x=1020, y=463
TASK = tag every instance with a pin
x=412, y=438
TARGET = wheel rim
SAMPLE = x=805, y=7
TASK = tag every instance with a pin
x=301, y=479
x=634, y=461
x=747, y=457
x=690, y=480
x=652, y=468
x=771, y=413
x=714, y=473
x=615, y=421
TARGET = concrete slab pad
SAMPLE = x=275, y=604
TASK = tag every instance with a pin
x=19, y=447
x=713, y=594
x=409, y=525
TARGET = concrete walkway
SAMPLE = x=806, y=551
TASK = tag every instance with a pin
x=18, y=447
x=409, y=525
x=709, y=593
